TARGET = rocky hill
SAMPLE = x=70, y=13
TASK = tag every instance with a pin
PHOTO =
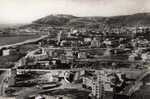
x=55, y=20
x=140, y=19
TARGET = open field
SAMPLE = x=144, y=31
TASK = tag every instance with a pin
x=15, y=39
x=7, y=61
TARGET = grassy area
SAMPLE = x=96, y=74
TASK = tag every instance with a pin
x=15, y=39
x=8, y=61
x=23, y=49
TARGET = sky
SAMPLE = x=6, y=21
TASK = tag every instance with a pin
x=26, y=11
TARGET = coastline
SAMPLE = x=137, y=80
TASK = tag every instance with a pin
x=24, y=42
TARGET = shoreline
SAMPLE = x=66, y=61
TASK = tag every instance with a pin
x=24, y=42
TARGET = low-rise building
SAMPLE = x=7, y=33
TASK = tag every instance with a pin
x=95, y=43
x=38, y=54
x=82, y=55
x=8, y=51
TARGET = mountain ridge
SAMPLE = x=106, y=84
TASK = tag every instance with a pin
x=138, y=19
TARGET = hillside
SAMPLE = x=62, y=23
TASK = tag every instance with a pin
x=55, y=20
x=141, y=19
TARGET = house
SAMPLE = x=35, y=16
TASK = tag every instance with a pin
x=6, y=52
x=82, y=55
x=21, y=62
x=107, y=42
x=95, y=43
x=69, y=53
x=145, y=57
x=87, y=39
x=38, y=54
x=108, y=52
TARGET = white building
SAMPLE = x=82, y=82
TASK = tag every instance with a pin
x=6, y=52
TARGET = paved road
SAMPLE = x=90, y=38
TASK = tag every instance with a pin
x=47, y=70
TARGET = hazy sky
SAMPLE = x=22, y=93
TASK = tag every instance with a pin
x=25, y=11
